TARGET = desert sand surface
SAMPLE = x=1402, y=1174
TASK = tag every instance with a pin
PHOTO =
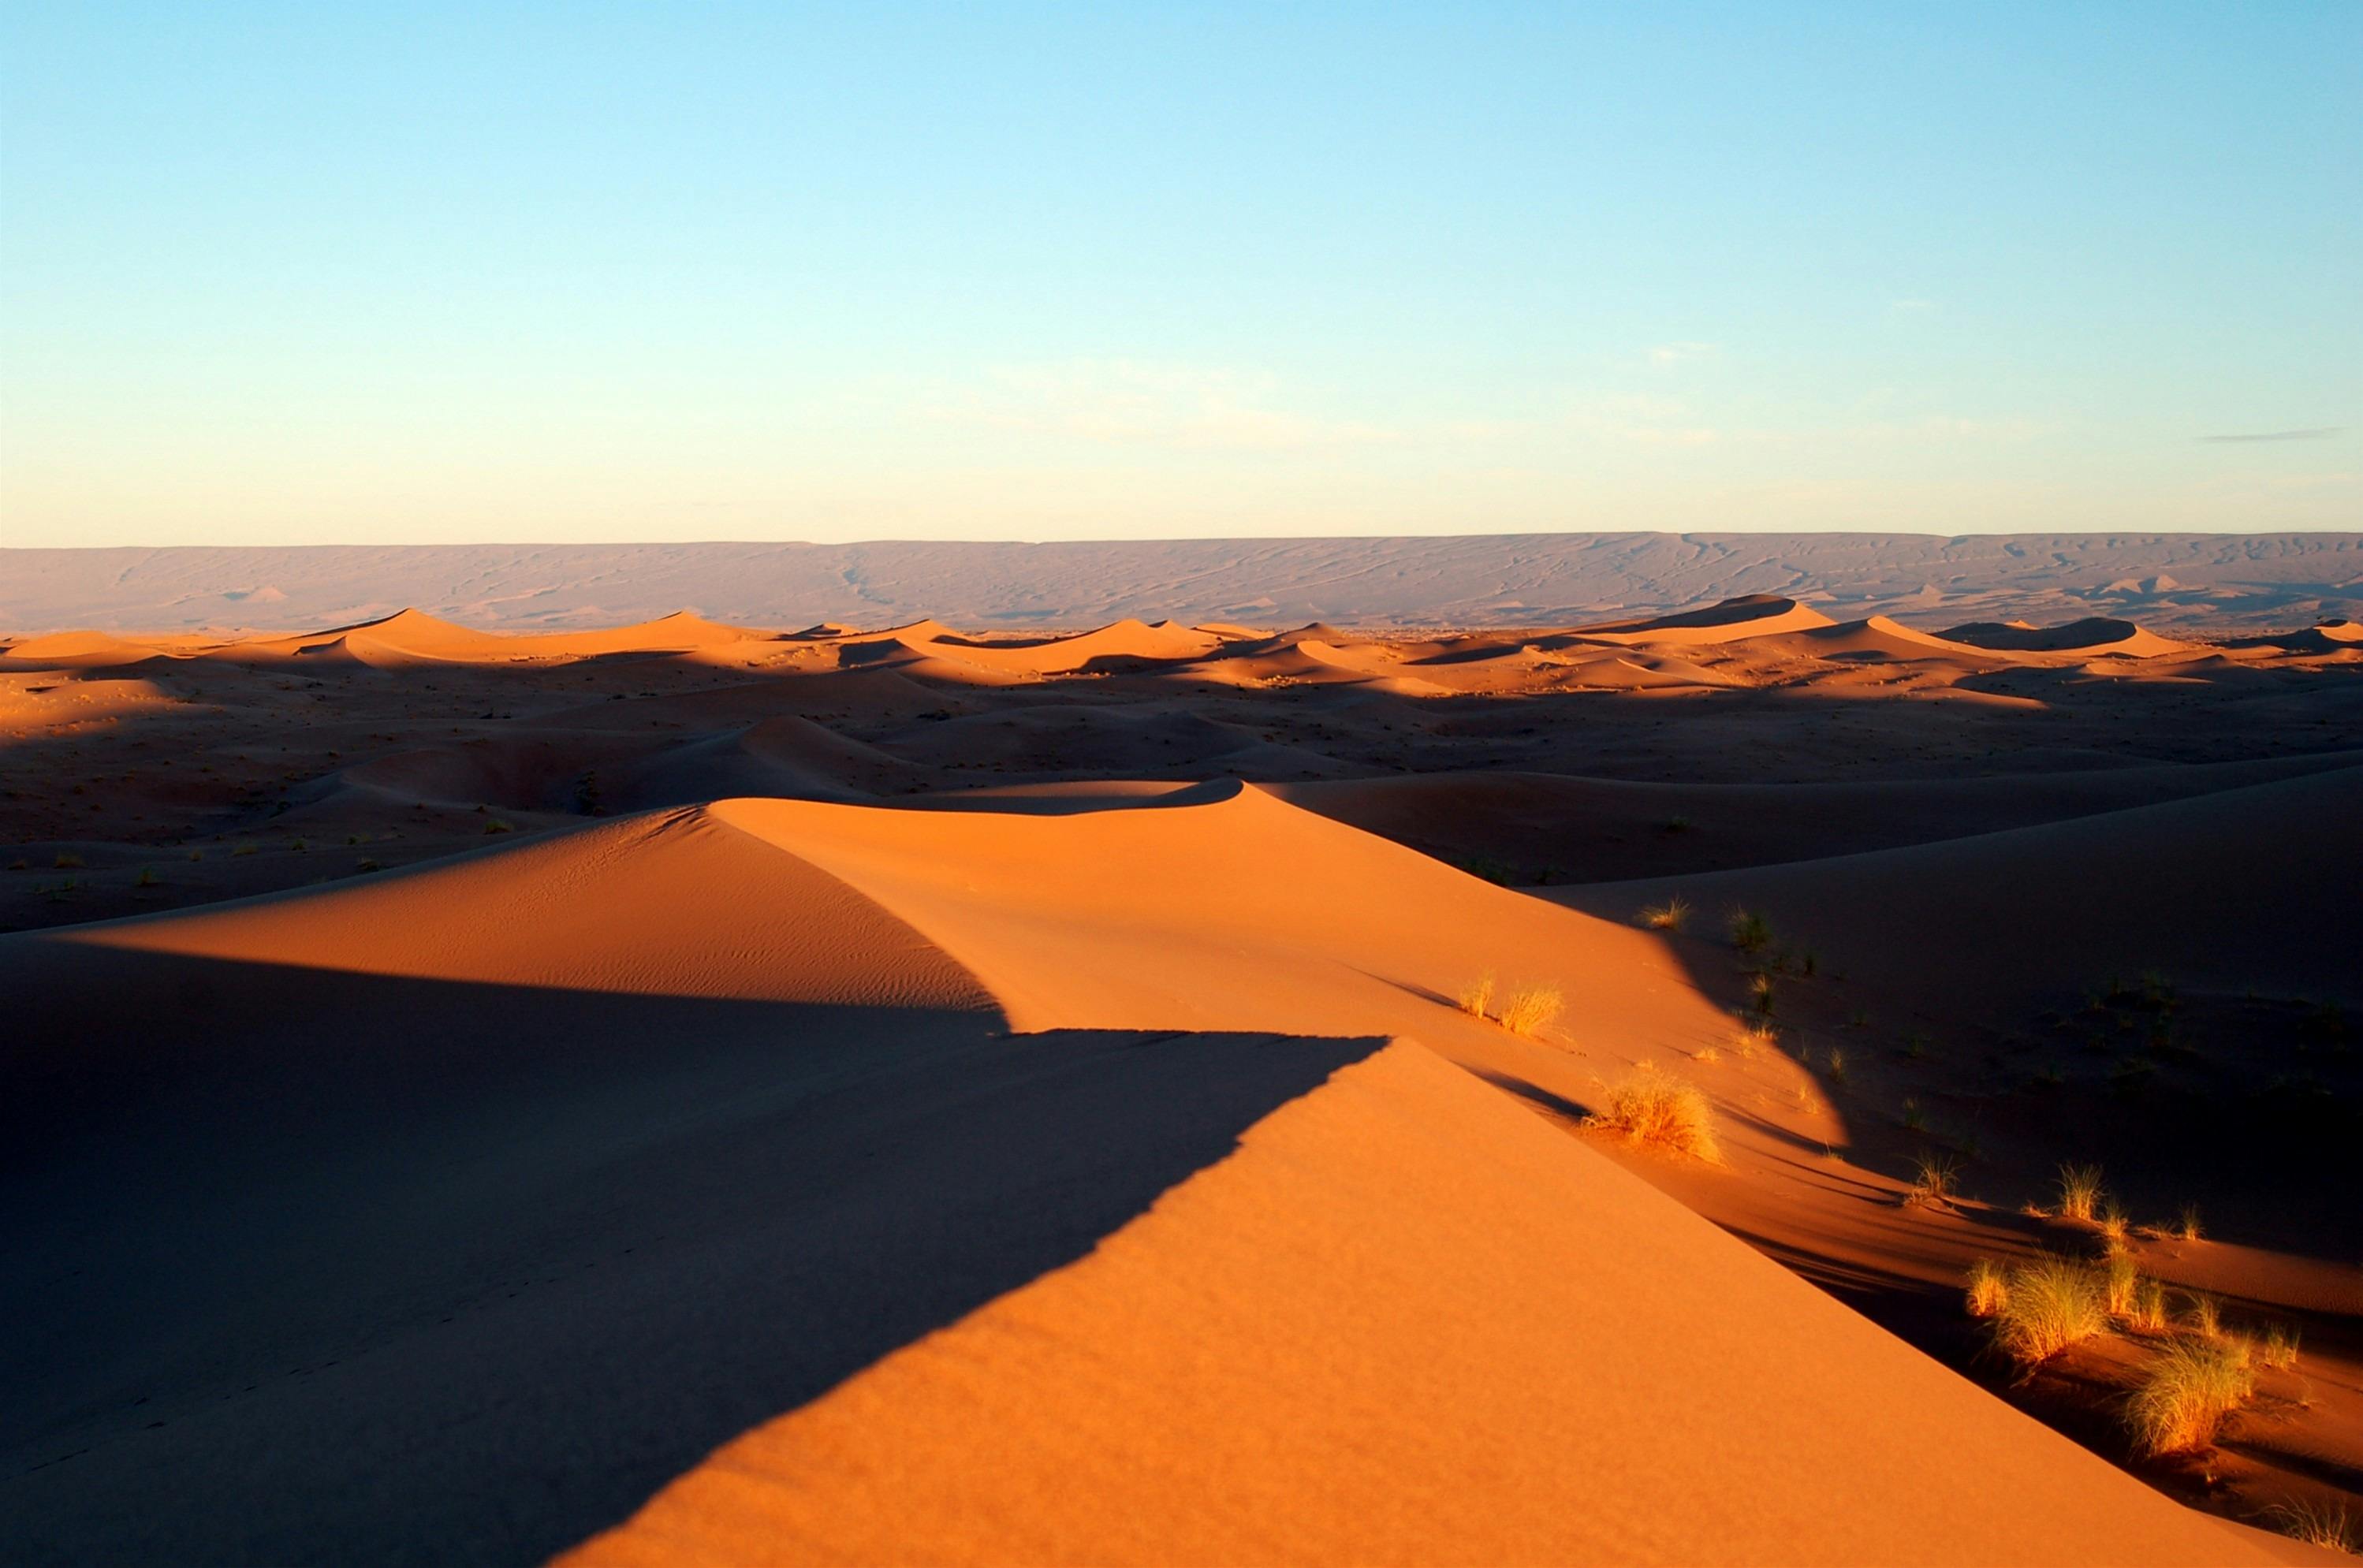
x=899, y=1090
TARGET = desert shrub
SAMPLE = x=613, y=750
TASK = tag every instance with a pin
x=2048, y=1305
x=1649, y=1107
x=2114, y=1227
x=1988, y=1289
x=2319, y=1524
x=1529, y=1010
x=2184, y=1394
x=2120, y=1283
x=1476, y=997
x=1672, y=915
x=2080, y=1192
x=1934, y=1178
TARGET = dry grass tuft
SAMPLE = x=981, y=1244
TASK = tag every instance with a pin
x=2319, y=1524
x=1649, y=1107
x=2206, y=1316
x=2277, y=1352
x=1755, y=1039
x=2147, y=1314
x=2185, y=1393
x=1749, y=932
x=1672, y=915
x=1529, y=1010
x=2120, y=1283
x=2080, y=1192
x=2187, y=1224
x=1934, y=1180
x=1989, y=1288
x=1526, y=1010
x=2048, y=1305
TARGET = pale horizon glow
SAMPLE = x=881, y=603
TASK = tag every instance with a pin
x=436, y=275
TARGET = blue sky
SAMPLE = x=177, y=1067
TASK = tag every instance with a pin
x=424, y=273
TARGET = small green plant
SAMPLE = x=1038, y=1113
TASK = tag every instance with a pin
x=2049, y=1303
x=1672, y=915
x=1749, y=932
x=2184, y=1394
x=2080, y=1190
x=1989, y=1288
x=1649, y=1107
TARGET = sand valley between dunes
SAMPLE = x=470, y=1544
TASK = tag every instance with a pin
x=1172, y=1093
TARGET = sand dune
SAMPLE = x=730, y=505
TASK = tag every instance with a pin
x=1334, y=1244
x=2094, y=636
x=1749, y=615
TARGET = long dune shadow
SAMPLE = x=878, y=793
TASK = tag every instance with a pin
x=316, y=1267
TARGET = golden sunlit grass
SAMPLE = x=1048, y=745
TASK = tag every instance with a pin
x=2186, y=1225
x=1988, y=1289
x=1526, y=1010
x=2278, y=1351
x=1529, y=1011
x=2184, y=1394
x=2080, y=1192
x=1476, y=997
x=2120, y=1283
x=2147, y=1314
x=1649, y=1107
x=2114, y=1228
x=1672, y=915
x=2048, y=1305
x=1755, y=1039
x=2319, y=1524
x=2206, y=1316
x=1932, y=1181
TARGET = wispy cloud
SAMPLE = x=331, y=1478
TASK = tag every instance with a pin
x=2313, y=433
x=1676, y=353
x=1130, y=403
